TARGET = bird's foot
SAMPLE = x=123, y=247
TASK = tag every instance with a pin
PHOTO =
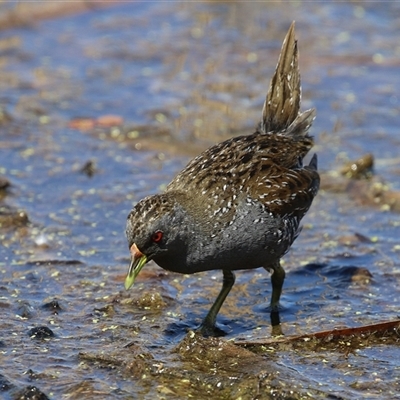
x=208, y=330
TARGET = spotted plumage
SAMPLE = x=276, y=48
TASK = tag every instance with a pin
x=239, y=204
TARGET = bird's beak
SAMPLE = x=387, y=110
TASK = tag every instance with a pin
x=137, y=263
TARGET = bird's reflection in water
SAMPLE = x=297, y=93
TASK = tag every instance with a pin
x=276, y=327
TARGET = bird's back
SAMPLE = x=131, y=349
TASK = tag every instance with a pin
x=265, y=167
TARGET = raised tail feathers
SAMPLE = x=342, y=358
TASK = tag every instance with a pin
x=281, y=111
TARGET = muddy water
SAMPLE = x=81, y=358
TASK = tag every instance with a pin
x=177, y=77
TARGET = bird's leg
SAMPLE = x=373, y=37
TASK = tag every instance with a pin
x=277, y=279
x=207, y=327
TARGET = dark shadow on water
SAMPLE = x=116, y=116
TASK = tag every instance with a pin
x=176, y=331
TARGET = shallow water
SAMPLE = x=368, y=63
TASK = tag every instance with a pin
x=183, y=76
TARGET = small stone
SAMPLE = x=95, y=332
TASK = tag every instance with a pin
x=41, y=332
x=5, y=384
x=52, y=306
x=25, y=310
x=31, y=393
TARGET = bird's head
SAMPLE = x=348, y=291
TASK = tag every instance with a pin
x=151, y=231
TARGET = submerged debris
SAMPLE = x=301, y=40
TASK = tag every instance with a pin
x=10, y=218
x=356, y=179
x=89, y=168
x=374, y=193
x=361, y=168
x=150, y=301
x=4, y=183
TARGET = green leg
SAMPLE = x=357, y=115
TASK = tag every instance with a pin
x=207, y=327
x=277, y=279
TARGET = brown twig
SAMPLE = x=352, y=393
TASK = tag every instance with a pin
x=334, y=334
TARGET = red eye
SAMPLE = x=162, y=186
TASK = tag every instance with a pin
x=156, y=236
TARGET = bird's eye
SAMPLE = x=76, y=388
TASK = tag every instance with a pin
x=157, y=236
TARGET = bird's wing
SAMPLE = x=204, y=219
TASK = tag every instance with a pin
x=284, y=190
